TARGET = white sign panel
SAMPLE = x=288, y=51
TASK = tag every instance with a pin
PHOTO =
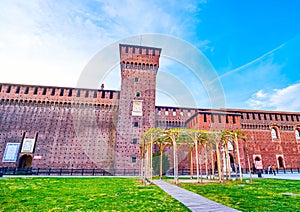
x=37, y=157
x=137, y=108
x=28, y=145
x=258, y=165
x=11, y=152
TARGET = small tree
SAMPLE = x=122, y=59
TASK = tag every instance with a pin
x=149, y=137
x=156, y=163
x=173, y=134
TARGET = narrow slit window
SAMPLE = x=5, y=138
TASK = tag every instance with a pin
x=44, y=91
x=26, y=90
x=35, y=91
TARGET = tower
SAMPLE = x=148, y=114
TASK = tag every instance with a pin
x=139, y=65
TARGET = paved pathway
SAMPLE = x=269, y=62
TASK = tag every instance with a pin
x=191, y=200
x=288, y=176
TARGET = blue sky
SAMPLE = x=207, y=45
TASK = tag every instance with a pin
x=253, y=45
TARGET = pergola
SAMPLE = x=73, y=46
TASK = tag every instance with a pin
x=207, y=141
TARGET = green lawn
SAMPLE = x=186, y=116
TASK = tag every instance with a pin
x=83, y=194
x=261, y=195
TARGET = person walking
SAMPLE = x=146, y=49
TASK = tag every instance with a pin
x=273, y=170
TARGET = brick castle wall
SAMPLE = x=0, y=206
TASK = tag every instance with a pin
x=97, y=128
x=74, y=129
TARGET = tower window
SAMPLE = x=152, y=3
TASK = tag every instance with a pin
x=189, y=113
x=136, y=79
x=53, y=92
x=44, y=91
x=174, y=112
x=135, y=124
x=26, y=90
x=61, y=92
x=8, y=89
x=274, y=133
x=134, y=141
x=138, y=94
x=18, y=89
x=181, y=113
x=133, y=159
x=70, y=92
x=35, y=90
x=297, y=133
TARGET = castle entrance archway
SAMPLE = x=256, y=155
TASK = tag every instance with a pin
x=25, y=161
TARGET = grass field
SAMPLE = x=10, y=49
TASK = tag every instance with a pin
x=83, y=194
x=261, y=195
x=127, y=194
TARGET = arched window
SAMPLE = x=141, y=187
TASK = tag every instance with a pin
x=138, y=94
x=280, y=162
x=257, y=158
x=297, y=133
x=274, y=133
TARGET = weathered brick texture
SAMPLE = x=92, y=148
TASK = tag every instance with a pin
x=97, y=128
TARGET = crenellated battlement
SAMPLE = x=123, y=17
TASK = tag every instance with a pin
x=57, y=95
x=139, y=57
x=97, y=128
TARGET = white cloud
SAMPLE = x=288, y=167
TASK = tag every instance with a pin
x=49, y=42
x=285, y=99
x=260, y=94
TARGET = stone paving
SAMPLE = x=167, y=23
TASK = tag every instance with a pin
x=191, y=200
x=288, y=176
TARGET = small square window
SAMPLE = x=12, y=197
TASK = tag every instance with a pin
x=136, y=79
x=136, y=124
x=133, y=159
x=134, y=141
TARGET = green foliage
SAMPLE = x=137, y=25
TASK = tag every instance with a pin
x=156, y=163
x=262, y=195
x=83, y=194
